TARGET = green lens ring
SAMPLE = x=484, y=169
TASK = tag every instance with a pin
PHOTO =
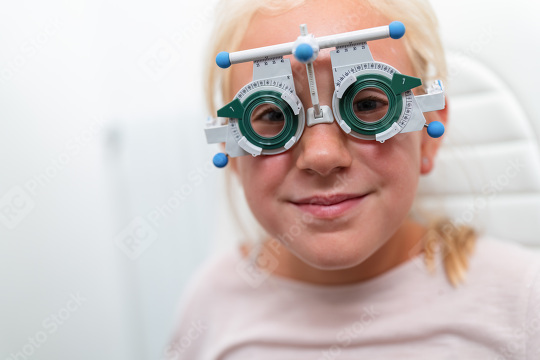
x=395, y=104
x=274, y=98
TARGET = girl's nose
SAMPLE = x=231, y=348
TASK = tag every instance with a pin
x=323, y=149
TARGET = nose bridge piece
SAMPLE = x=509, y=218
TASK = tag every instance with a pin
x=326, y=118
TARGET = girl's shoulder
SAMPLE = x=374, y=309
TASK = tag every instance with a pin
x=505, y=260
x=504, y=280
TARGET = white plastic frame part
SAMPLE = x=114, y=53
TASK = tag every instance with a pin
x=269, y=75
x=352, y=63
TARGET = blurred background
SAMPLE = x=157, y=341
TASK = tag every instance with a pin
x=108, y=199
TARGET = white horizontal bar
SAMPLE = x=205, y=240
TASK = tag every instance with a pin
x=324, y=42
x=260, y=53
x=381, y=32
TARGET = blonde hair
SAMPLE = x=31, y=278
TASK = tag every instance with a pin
x=425, y=50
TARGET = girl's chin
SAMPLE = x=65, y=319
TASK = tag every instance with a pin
x=333, y=259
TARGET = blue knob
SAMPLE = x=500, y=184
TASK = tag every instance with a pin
x=397, y=29
x=222, y=60
x=303, y=53
x=220, y=160
x=435, y=129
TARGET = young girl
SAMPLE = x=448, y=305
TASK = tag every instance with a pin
x=344, y=272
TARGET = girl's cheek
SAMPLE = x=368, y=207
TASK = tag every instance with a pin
x=273, y=166
x=393, y=160
x=263, y=172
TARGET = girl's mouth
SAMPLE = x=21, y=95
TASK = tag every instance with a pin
x=328, y=206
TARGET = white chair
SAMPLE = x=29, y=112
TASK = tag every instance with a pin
x=487, y=173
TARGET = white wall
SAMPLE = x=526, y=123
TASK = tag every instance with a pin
x=501, y=35
x=107, y=199
x=99, y=130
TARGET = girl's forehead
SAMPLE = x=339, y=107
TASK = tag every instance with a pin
x=321, y=17
x=325, y=18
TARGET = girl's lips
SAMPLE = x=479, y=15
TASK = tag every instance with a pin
x=328, y=207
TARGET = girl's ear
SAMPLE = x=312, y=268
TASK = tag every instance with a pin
x=430, y=146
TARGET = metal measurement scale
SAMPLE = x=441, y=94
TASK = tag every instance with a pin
x=371, y=101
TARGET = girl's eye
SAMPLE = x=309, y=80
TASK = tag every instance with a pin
x=272, y=115
x=370, y=105
x=267, y=120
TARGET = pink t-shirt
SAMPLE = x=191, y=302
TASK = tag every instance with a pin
x=231, y=312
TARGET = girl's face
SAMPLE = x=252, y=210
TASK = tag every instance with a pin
x=332, y=200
